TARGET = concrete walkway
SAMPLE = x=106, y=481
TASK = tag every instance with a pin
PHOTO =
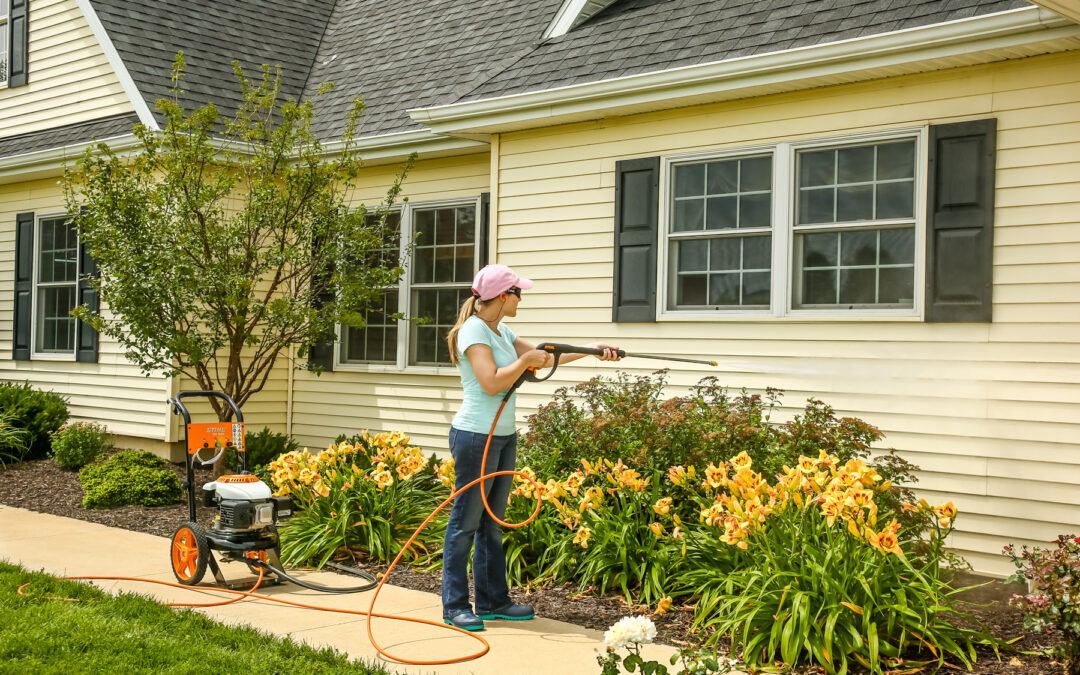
x=63, y=546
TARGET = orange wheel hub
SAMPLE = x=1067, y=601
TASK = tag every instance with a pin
x=185, y=553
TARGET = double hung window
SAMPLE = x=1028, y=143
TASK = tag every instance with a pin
x=55, y=290
x=794, y=228
x=440, y=250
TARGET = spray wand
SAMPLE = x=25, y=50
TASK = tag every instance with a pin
x=558, y=349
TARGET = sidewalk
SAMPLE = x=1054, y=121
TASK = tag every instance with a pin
x=63, y=546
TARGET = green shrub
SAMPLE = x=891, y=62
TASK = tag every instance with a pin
x=13, y=440
x=129, y=477
x=39, y=412
x=261, y=449
x=78, y=444
x=1054, y=600
x=627, y=418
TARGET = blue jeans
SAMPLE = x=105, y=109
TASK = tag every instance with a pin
x=470, y=525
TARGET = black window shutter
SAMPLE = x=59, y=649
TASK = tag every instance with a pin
x=485, y=228
x=637, y=188
x=960, y=221
x=18, y=42
x=24, y=280
x=86, y=338
x=321, y=353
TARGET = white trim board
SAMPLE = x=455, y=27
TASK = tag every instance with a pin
x=146, y=117
x=1021, y=32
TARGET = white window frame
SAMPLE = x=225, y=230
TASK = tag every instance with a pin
x=35, y=283
x=784, y=189
x=405, y=294
x=5, y=18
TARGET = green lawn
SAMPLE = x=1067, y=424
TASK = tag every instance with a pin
x=131, y=634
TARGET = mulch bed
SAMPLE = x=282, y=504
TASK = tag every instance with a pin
x=44, y=487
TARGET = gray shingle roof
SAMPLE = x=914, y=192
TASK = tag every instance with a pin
x=402, y=54
x=212, y=34
x=58, y=137
x=639, y=36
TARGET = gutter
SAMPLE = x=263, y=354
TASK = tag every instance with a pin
x=739, y=77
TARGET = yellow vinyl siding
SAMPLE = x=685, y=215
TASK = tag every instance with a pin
x=111, y=391
x=991, y=412
x=70, y=80
x=419, y=402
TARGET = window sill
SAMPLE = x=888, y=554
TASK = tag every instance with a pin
x=796, y=316
x=45, y=356
x=389, y=368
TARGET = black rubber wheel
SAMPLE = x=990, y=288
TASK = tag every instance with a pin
x=189, y=553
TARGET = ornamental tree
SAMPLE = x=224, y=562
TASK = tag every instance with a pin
x=224, y=240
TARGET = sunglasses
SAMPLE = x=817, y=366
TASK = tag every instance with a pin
x=515, y=291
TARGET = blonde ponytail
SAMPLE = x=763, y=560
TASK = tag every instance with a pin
x=468, y=308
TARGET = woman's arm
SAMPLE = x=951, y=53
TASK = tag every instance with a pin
x=493, y=379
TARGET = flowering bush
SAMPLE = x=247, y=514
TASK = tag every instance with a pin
x=77, y=444
x=631, y=632
x=1053, y=575
x=360, y=498
x=806, y=569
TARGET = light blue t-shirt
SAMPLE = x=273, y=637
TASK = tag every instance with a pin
x=478, y=407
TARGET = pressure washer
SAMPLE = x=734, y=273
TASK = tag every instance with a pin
x=245, y=529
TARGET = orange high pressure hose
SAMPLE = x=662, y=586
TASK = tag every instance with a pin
x=370, y=613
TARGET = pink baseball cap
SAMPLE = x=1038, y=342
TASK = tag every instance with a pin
x=495, y=279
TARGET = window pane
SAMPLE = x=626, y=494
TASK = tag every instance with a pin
x=898, y=246
x=423, y=265
x=816, y=206
x=445, y=226
x=857, y=286
x=755, y=174
x=819, y=287
x=725, y=254
x=755, y=288
x=448, y=307
x=689, y=215
x=377, y=341
x=444, y=264
x=819, y=250
x=896, y=286
x=56, y=326
x=693, y=256
x=817, y=168
x=463, y=264
x=723, y=178
x=424, y=226
x=3, y=52
x=426, y=337
x=855, y=165
x=692, y=289
x=896, y=160
x=757, y=251
x=858, y=248
x=855, y=202
x=896, y=200
x=722, y=213
x=724, y=289
x=689, y=180
x=755, y=210
x=466, y=224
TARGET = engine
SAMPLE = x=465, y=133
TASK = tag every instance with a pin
x=245, y=503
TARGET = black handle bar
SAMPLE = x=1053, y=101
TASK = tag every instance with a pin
x=557, y=349
x=179, y=409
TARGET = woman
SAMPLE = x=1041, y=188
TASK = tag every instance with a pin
x=490, y=358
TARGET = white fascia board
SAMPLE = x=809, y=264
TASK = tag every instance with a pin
x=1002, y=30
x=146, y=117
x=404, y=143
x=1069, y=9
x=564, y=18
x=386, y=146
x=53, y=160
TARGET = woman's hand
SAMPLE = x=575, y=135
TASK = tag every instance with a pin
x=610, y=351
x=536, y=358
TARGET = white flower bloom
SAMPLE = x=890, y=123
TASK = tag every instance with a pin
x=630, y=629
